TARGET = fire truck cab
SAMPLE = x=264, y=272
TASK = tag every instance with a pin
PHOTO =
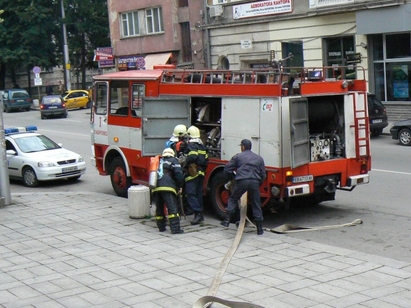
x=312, y=131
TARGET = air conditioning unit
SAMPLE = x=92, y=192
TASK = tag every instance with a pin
x=216, y=10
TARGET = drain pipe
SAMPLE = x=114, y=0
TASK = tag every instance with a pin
x=207, y=35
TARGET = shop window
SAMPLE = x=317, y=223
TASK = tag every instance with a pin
x=398, y=46
x=398, y=81
x=377, y=49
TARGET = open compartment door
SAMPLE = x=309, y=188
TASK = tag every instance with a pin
x=300, y=141
x=160, y=116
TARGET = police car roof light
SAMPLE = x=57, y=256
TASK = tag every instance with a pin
x=29, y=128
x=11, y=130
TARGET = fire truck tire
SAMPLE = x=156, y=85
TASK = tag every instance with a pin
x=219, y=195
x=118, y=177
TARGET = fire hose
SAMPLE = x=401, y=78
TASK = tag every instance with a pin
x=210, y=298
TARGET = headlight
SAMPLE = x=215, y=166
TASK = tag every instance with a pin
x=80, y=159
x=45, y=164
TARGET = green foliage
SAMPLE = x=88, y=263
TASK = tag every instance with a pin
x=31, y=33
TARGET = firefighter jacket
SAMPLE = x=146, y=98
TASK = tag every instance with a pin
x=171, y=176
x=247, y=165
x=197, y=154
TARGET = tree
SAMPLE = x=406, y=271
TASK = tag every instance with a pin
x=27, y=37
x=31, y=34
x=87, y=27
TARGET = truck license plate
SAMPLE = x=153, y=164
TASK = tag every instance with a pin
x=68, y=169
x=377, y=121
x=303, y=178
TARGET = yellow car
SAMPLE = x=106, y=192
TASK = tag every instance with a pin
x=76, y=99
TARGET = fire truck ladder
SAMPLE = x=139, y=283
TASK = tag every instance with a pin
x=224, y=76
x=361, y=126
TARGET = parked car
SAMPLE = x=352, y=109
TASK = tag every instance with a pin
x=52, y=105
x=33, y=157
x=76, y=99
x=377, y=114
x=15, y=99
x=401, y=131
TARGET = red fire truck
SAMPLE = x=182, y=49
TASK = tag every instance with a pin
x=311, y=130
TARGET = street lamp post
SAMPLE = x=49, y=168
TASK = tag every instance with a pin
x=5, y=195
x=66, y=51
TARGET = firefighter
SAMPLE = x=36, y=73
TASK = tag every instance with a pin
x=196, y=163
x=250, y=173
x=169, y=184
x=178, y=141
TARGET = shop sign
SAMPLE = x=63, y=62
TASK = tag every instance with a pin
x=134, y=62
x=260, y=8
x=323, y=3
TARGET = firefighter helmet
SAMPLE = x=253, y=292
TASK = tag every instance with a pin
x=193, y=132
x=180, y=130
x=168, y=152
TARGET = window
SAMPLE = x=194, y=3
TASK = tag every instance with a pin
x=337, y=50
x=138, y=95
x=101, y=98
x=119, y=97
x=130, y=24
x=185, y=42
x=398, y=46
x=296, y=49
x=154, y=20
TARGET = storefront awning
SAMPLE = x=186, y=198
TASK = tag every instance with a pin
x=156, y=59
x=384, y=20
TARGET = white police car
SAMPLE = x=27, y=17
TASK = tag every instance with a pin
x=33, y=157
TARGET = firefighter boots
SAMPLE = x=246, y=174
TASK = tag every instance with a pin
x=175, y=225
x=226, y=221
x=259, y=224
x=161, y=223
x=198, y=218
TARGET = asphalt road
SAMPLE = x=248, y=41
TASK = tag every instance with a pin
x=382, y=205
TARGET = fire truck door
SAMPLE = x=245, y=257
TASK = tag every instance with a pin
x=239, y=119
x=299, y=134
x=100, y=114
x=160, y=116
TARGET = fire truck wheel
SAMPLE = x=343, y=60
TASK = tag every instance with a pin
x=118, y=176
x=219, y=195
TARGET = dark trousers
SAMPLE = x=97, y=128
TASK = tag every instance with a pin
x=194, y=192
x=167, y=198
x=253, y=188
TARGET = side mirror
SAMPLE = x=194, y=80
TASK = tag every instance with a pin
x=11, y=152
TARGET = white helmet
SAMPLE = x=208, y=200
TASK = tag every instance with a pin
x=180, y=130
x=193, y=132
x=168, y=152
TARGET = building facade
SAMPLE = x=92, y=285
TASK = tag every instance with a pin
x=151, y=32
x=372, y=37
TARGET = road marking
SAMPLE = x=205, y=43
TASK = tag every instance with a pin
x=389, y=171
x=64, y=133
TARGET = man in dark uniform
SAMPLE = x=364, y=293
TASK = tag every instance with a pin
x=170, y=182
x=196, y=162
x=249, y=175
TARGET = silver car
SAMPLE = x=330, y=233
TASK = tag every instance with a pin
x=33, y=157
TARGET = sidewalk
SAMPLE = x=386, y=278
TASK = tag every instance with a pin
x=83, y=250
